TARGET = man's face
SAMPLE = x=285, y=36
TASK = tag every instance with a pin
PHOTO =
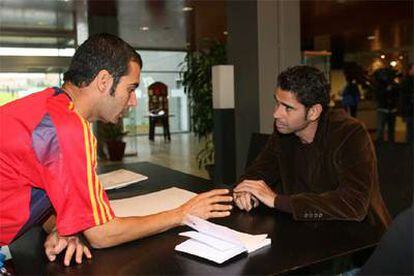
x=290, y=115
x=114, y=106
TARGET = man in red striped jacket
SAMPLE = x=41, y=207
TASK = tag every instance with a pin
x=48, y=157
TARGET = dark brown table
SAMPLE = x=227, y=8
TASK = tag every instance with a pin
x=294, y=244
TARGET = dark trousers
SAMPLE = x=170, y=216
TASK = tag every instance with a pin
x=385, y=119
x=351, y=110
x=409, y=122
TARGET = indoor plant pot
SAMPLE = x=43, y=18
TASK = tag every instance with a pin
x=111, y=135
x=116, y=149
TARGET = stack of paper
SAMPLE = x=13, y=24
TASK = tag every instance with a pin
x=218, y=243
x=120, y=178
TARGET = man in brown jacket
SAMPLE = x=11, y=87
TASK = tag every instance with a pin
x=320, y=163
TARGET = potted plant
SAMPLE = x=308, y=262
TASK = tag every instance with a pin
x=111, y=135
x=196, y=79
x=205, y=157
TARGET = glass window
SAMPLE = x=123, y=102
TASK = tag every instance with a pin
x=16, y=85
x=39, y=52
x=162, y=66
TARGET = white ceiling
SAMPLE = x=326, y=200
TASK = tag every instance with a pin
x=37, y=23
x=166, y=22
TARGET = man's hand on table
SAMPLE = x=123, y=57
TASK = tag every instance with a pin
x=55, y=244
x=245, y=201
x=248, y=192
x=212, y=204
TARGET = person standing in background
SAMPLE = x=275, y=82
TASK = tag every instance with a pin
x=351, y=96
x=407, y=102
x=387, y=92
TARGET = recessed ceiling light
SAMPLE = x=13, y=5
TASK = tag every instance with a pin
x=382, y=56
x=371, y=37
x=187, y=9
x=401, y=57
x=225, y=32
x=144, y=28
x=393, y=63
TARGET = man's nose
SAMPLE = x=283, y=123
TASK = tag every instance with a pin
x=276, y=112
x=132, y=101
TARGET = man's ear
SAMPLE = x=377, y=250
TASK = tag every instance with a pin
x=104, y=81
x=314, y=112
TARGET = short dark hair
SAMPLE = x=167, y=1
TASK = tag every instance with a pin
x=101, y=52
x=307, y=83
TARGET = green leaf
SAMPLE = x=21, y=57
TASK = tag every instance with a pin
x=196, y=79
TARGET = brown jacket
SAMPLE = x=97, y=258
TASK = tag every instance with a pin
x=333, y=178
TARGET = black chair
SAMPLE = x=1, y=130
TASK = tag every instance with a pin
x=26, y=250
x=257, y=143
x=158, y=109
x=163, y=120
x=395, y=170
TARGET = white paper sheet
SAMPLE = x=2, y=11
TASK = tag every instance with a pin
x=252, y=242
x=120, y=178
x=209, y=240
x=212, y=229
x=151, y=203
x=218, y=243
x=205, y=251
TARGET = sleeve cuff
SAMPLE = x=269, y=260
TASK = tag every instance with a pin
x=282, y=203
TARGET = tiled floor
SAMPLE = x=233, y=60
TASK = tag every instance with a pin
x=179, y=154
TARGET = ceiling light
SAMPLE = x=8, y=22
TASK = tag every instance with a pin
x=401, y=57
x=382, y=56
x=187, y=9
x=371, y=37
x=144, y=28
x=226, y=33
x=393, y=63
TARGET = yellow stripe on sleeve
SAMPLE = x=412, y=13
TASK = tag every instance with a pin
x=106, y=214
x=89, y=169
x=99, y=184
x=99, y=199
x=92, y=142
